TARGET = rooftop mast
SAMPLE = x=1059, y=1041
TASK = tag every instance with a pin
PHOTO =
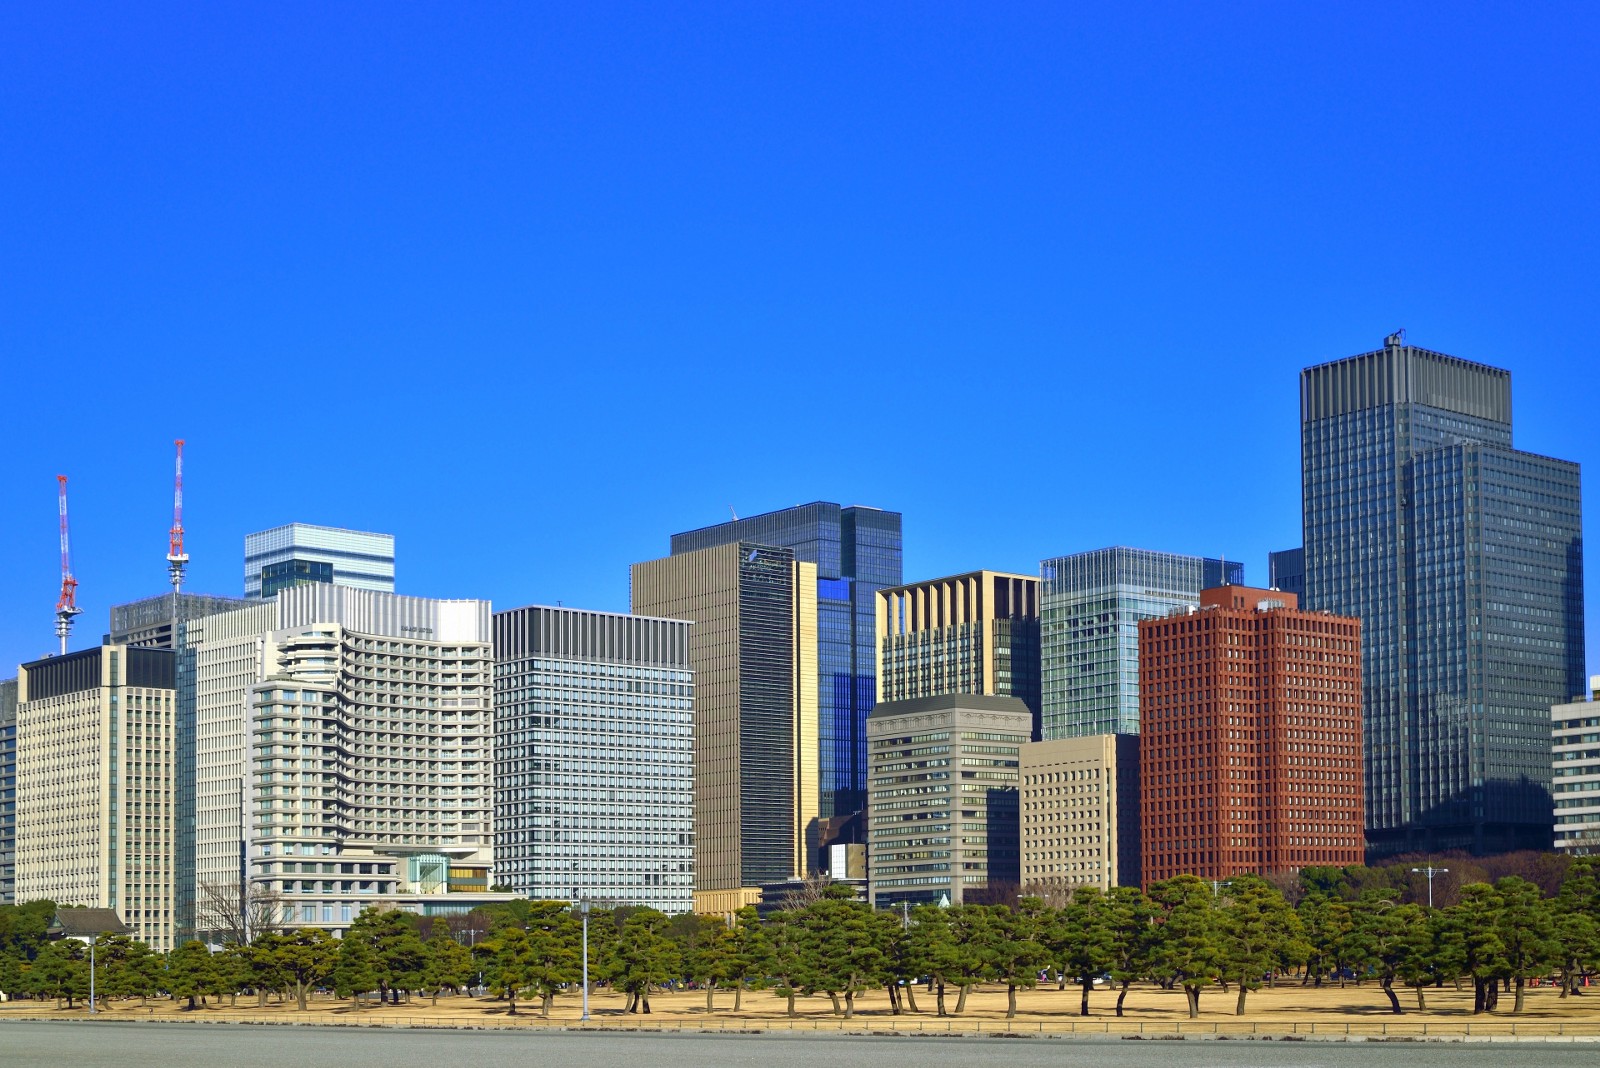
x=67, y=603
x=177, y=559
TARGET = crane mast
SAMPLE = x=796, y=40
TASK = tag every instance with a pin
x=67, y=603
x=177, y=559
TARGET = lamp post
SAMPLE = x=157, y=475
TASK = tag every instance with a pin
x=583, y=911
x=92, y=941
x=1430, y=871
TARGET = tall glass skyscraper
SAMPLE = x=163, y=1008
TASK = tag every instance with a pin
x=1463, y=557
x=857, y=552
x=1090, y=605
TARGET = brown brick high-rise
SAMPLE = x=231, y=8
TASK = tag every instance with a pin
x=1250, y=733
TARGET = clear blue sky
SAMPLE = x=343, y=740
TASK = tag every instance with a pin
x=534, y=286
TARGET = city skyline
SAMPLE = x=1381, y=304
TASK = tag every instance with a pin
x=468, y=280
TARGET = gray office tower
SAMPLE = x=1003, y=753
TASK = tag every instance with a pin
x=857, y=552
x=1463, y=557
x=1090, y=605
x=593, y=757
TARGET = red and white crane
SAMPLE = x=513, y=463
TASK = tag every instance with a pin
x=67, y=603
x=177, y=559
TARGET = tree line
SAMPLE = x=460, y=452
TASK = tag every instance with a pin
x=1185, y=934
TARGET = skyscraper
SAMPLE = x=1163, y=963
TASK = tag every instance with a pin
x=298, y=554
x=1090, y=607
x=1250, y=737
x=594, y=757
x=974, y=633
x=1463, y=558
x=753, y=650
x=1286, y=571
x=95, y=774
x=856, y=551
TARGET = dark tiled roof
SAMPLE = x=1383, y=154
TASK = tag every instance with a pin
x=86, y=923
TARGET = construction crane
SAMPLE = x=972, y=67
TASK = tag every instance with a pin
x=67, y=603
x=177, y=559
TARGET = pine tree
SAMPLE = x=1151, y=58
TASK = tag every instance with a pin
x=357, y=969
x=1382, y=939
x=306, y=958
x=644, y=957
x=190, y=972
x=1257, y=930
x=1188, y=952
x=1525, y=922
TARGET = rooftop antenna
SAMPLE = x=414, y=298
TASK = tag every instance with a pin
x=177, y=559
x=67, y=603
x=733, y=513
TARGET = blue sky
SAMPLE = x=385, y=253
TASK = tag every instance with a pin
x=534, y=286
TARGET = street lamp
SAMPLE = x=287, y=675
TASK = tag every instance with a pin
x=1430, y=871
x=582, y=905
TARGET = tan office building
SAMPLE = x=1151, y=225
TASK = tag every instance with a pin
x=974, y=633
x=1080, y=813
x=753, y=648
x=95, y=784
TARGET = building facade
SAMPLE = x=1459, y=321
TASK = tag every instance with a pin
x=1090, y=607
x=8, y=791
x=1079, y=802
x=299, y=554
x=753, y=654
x=942, y=811
x=594, y=757
x=856, y=552
x=1462, y=556
x=973, y=633
x=1576, y=779
x=1250, y=752
x=95, y=776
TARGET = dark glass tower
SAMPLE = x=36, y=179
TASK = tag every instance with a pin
x=1464, y=560
x=857, y=553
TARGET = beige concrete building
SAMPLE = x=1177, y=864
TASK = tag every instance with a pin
x=95, y=784
x=942, y=797
x=753, y=648
x=973, y=633
x=1080, y=813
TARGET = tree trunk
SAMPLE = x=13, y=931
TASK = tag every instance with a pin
x=1122, y=995
x=545, y=1001
x=1083, y=1003
x=1520, y=995
x=644, y=1000
x=1394, y=999
x=1061, y=980
x=1479, y=999
x=710, y=991
x=939, y=1007
x=512, y=998
x=911, y=997
x=738, y=996
x=1192, y=994
x=961, y=1000
x=849, y=1004
x=1238, y=1009
x=1011, y=1001
x=894, y=997
x=300, y=994
x=834, y=997
x=790, y=996
x=261, y=997
x=1422, y=1004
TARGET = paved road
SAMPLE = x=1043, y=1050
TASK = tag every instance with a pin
x=26, y=1044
